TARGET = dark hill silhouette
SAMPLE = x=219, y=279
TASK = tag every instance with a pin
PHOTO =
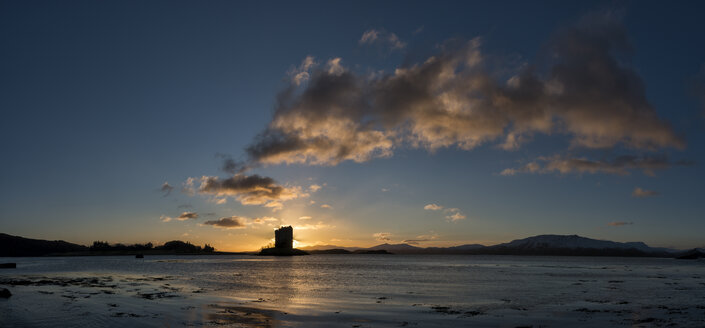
x=692, y=254
x=562, y=245
x=20, y=246
x=14, y=246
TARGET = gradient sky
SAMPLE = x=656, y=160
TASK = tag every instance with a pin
x=356, y=122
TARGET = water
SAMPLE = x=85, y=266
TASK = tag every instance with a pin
x=357, y=290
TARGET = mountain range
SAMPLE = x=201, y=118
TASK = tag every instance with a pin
x=536, y=245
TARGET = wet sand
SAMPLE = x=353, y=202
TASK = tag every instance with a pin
x=581, y=298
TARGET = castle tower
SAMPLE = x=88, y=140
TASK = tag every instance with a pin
x=284, y=237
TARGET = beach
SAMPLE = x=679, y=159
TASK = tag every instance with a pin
x=352, y=291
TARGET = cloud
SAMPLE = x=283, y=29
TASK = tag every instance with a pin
x=165, y=218
x=373, y=36
x=233, y=222
x=250, y=190
x=314, y=187
x=420, y=239
x=188, y=186
x=166, y=189
x=305, y=218
x=301, y=73
x=369, y=36
x=454, y=214
x=620, y=165
x=319, y=225
x=619, y=223
x=382, y=236
x=187, y=216
x=433, y=207
x=264, y=219
x=326, y=206
x=456, y=98
x=643, y=193
x=232, y=166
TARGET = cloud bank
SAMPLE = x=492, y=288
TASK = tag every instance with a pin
x=456, y=99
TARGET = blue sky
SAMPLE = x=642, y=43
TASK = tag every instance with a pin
x=104, y=102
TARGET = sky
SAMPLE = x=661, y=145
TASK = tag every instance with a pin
x=358, y=123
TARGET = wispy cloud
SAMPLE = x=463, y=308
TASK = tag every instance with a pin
x=382, y=236
x=319, y=225
x=420, y=239
x=314, y=187
x=433, y=207
x=619, y=223
x=165, y=218
x=305, y=218
x=326, y=206
x=166, y=189
x=374, y=36
x=453, y=214
x=302, y=73
x=265, y=219
x=621, y=165
x=233, y=222
x=643, y=193
x=187, y=216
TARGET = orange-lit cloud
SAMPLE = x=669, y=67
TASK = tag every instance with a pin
x=382, y=236
x=319, y=225
x=453, y=214
x=455, y=99
x=250, y=190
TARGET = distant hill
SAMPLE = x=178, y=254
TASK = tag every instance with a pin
x=20, y=246
x=395, y=248
x=327, y=247
x=567, y=245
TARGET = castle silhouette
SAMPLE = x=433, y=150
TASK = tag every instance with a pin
x=283, y=243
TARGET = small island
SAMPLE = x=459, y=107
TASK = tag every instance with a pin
x=283, y=244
